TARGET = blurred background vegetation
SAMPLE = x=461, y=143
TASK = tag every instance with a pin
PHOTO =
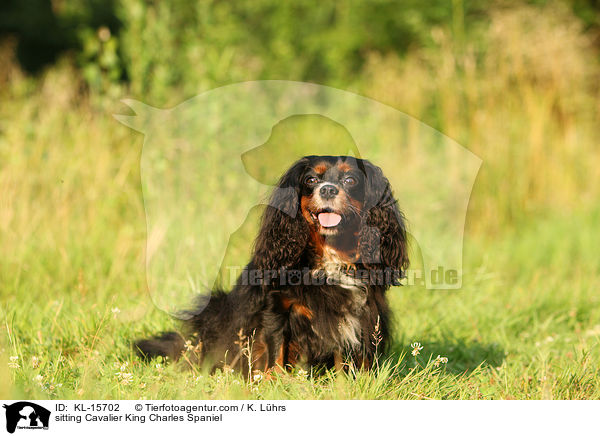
x=516, y=82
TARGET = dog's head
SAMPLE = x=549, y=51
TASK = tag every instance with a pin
x=333, y=203
x=332, y=193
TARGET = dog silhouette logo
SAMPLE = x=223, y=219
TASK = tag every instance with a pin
x=209, y=164
x=26, y=415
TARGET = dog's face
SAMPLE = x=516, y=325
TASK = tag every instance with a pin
x=332, y=202
x=332, y=192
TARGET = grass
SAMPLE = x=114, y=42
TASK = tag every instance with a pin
x=522, y=327
x=525, y=325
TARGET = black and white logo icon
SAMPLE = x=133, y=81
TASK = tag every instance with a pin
x=26, y=415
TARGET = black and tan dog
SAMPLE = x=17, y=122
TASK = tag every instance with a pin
x=332, y=241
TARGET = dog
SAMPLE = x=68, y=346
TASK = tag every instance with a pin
x=332, y=241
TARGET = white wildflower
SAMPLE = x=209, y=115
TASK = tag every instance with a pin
x=124, y=377
x=416, y=348
x=439, y=359
x=302, y=373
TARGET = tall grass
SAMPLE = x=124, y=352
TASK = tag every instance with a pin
x=525, y=98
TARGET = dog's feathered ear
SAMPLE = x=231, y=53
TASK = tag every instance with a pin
x=284, y=232
x=382, y=238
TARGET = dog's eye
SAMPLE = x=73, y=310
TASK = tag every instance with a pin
x=349, y=181
x=311, y=180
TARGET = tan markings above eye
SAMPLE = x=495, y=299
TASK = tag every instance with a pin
x=320, y=168
x=343, y=166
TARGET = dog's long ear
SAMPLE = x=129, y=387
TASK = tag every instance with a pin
x=284, y=232
x=382, y=237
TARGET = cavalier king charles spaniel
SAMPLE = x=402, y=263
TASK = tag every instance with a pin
x=332, y=241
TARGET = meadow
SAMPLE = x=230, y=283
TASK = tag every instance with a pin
x=524, y=325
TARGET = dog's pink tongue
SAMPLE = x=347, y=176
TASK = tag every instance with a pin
x=329, y=219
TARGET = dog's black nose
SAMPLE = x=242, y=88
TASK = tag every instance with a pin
x=328, y=191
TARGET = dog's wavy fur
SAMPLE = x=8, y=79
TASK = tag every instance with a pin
x=334, y=312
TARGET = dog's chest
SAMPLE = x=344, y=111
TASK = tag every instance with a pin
x=332, y=314
x=349, y=325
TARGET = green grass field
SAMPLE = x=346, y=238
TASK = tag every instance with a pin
x=525, y=325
